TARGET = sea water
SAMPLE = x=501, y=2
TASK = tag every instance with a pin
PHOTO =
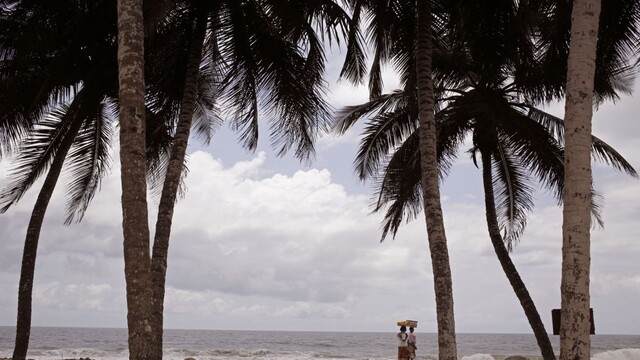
x=48, y=343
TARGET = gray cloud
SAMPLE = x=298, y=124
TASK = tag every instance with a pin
x=259, y=244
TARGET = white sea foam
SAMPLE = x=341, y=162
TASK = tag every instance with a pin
x=111, y=344
x=622, y=354
x=176, y=354
x=478, y=357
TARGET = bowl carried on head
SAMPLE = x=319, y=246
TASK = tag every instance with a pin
x=408, y=323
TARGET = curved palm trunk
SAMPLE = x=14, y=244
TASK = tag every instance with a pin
x=530, y=310
x=137, y=261
x=171, y=184
x=431, y=190
x=27, y=271
x=575, y=324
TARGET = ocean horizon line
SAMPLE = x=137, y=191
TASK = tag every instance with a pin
x=302, y=330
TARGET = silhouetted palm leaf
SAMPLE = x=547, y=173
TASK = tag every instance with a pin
x=89, y=160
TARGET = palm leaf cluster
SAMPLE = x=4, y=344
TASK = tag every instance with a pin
x=485, y=65
x=248, y=62
x=492, y=63
x=618, y=34
x=259, y=59
x=58, y=86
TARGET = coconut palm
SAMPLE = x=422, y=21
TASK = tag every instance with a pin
x=59, y=110
x=516, y=143
x=257, y=55
x=397, y=31
x=575, y=340
x=499, y=36
x=79, y=131
x=306, y=63
x=585, y=44
x=137, y=262
x=430, y=185
x=487, y=73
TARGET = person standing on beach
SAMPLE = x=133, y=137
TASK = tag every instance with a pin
x=403, y=347
x=411, y=341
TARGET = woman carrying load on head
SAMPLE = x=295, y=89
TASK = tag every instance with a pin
x=404, y=352
x=411, y=341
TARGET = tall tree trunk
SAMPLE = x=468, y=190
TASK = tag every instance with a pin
x=27, y=271
x=137, y=261
x=530, y=310
x=431, y=188
x=575, y=342
x=172, y=182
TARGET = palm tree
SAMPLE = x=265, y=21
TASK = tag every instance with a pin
x=291, y=87
x=497, y=36
x=137, y=258
x=512, y=138
x=37, y=77
x=41, y=72
x=587, y=46
x=401, y=33
x=82, y=137
x=575, y=340
x=251, y=55
x=430, y=185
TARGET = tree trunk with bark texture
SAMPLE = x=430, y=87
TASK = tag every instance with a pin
x=575, y=342
x=519, y=288
x=137, y=261
x=27, y=271
x=172, y=183
x=447, y=349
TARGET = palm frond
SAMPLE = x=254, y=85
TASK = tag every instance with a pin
x=354, y=67
x=402, y=33
x=552, y=123
x=239, y=88
x=597, y=204
x=398, y=187
x=206, y=119
x=375, y=76
x=349, y=115
x=618, y=36
x=37, y=152
x=600, y=150
x=603, y=152
x=158, y=141
x=532, y=140
x=513, y=194
x=88, y=160
x=381, y=136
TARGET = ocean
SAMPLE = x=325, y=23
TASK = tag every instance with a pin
x=49, y=343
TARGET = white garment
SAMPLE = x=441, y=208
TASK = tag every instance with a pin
x=402, y=339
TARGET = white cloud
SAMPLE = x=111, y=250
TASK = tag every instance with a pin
x=255, y=246
x=307, y=310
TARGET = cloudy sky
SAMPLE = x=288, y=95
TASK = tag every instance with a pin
x=266, y=243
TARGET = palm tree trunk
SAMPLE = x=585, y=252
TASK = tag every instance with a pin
x=431, y=190
x=27, y=271
x=137, y=261
x=530, y=310
x=172, y=182
x=575, y=342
